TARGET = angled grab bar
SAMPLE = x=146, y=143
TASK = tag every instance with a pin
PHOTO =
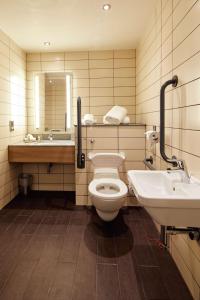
x=80, y=154
x=173, y=82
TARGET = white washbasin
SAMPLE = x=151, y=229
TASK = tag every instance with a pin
x=47, y=143
x=166, y=197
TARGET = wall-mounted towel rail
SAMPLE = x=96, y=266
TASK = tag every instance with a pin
x=80, y=154
x=173, y=82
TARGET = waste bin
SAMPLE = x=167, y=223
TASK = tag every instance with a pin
x=25, y=183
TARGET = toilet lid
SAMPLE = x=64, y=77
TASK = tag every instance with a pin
x=108, y=188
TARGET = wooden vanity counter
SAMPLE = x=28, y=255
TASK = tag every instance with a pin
x=59, y=152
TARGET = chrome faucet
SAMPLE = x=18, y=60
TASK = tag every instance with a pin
x=181, y=164
x=50, y=136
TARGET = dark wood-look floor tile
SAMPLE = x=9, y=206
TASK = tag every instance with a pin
x=144, y=214
x=141, y=250
x=61, y=223
x=16, y=226
x=6, y=220
x=71, y=244
x=12, y=255
x=151, y=281
x=85, y=277
x=133, y=214
x=50, y=249
x=35, y=248
x=79, y=216
x=130, y=289
x=170, y=275
x=62, y=285
x=42, y=277
x=33, y=222
x=17, y=283
x=107, y=282
x=106, y=250
x=47, y=225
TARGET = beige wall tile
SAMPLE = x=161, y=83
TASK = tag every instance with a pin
x=101, y=82
x=124, y=63
x=133, y=143
x=12, y=105
x=101, y=73
x=52, y=56
x=130, y=53
x=76, y=65
x=102, y=144
x=101, y=54
x=102, y=132
x=101, y=64
x=76, y=55
x=124, y=72
x=163, y=51
x=187, y=275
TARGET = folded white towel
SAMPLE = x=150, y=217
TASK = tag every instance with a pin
x=126, y=120
x=116, y=115
x=88, y=119
x=104, y=120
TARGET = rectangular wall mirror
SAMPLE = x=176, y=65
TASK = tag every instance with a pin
x=53, y=101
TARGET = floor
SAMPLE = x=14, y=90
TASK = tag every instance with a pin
x=50, y=249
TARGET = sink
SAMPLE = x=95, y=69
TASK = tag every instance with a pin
x=166, y=197
x=45, y=151
x=47, y=143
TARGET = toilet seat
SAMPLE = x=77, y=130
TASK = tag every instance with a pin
x=108, y=188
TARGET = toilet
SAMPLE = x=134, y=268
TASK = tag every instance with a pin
x=107, y=190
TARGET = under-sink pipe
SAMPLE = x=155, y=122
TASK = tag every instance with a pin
x=173, y=82
x=192, y=232
x=50, y=165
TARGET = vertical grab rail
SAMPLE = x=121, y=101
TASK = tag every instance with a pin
x=80, y=154
x=173, y=82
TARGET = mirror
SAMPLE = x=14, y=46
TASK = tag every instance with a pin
x=53, y=101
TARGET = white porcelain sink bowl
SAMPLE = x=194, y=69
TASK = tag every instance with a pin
x=167, y=198
x=47, y=143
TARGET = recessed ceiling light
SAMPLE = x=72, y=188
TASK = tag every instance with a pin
x=106, y=7
x=46, y=44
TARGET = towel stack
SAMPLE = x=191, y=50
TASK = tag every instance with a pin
x=88, y=119
x=116, y=115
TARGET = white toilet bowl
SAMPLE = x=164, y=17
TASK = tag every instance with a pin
x=106, y=189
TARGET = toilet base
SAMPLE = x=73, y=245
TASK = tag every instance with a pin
x=107, y=216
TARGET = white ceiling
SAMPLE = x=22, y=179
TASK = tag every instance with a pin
x=74, y=24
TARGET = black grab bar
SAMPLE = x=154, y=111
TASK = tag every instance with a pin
x=174, y=82
x=80, y=154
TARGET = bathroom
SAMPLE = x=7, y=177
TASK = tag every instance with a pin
x=69, y=236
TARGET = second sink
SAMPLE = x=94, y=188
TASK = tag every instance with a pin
x=167, y=198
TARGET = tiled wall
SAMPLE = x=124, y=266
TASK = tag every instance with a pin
x=170, y=46
x=101, y=78
x=12, y=107
x=60, y=178
x=128, y=139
